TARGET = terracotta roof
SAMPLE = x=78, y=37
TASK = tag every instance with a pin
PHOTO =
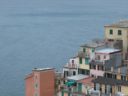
x=87, y=81
x=42, y=69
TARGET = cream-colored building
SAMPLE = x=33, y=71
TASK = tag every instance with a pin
x=118, y=32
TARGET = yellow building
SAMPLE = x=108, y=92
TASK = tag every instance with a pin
x=118, y=32
x=83, y=67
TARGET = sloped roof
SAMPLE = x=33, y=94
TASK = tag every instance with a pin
x=77, y=77
x=110, y=81
x=108, y=50
x=120, y=24
x=87, y=81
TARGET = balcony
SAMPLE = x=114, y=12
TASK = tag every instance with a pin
x=72, y=91
x=71, y=66
x=97, y=62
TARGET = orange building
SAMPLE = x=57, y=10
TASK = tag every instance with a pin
x=40, y=82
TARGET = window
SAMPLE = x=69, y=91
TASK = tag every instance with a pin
x=104, y=56
x=105, y=89
x=98, y=57
x=93, y=49
x=92, y=75
x=74, y=73
x=94, y=66
x=87, y=72
x=114, y=76
x=119, y=88
x=98, y=67
x=110, y=89
x=80, y=60
x=79, y=87
x=123, y=77
x=102, y=68
x=66, y=73
x=36, y=85
x=94, y=86
x=119, y=32
x=72, y=61
x=81, y=71
x=84, y=50
x=90, y=66
x=100, y=88
x=111, y=31
x=108, y=75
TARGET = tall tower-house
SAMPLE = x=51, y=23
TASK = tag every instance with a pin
x=118, y=33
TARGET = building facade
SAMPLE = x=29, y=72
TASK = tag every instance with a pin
x=71, y=68
x=118, y=32
x=104, y=60
x=41, y=82
x=87, y=54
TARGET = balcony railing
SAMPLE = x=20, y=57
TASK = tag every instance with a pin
x=71, y=65
x=97, y=62
x=73, y=91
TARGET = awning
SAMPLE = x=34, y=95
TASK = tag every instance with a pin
x=70, y=83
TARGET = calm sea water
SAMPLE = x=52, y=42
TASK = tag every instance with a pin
x=46, y=33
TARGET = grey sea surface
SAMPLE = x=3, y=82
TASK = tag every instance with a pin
x=46, y=33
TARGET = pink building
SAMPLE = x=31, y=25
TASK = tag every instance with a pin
x=104, y=60
x=40, y=82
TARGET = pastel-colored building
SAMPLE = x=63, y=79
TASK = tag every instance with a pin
x=87, y=85
x=118, y=32
x=109, y=86
x=78, y=85
x=104, y=59
x=41, y=82
x=113, y=82
x=71, y=68
x=119, y=73
x=87, y=53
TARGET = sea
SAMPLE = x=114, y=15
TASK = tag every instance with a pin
x=46, y=33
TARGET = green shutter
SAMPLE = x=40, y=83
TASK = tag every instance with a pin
x=119, y=32
x=111, y=31
x=84, y=49
x=80, y=60
x=79, y=87
x=93, y=49
x=86, y=60
x=62, y=94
